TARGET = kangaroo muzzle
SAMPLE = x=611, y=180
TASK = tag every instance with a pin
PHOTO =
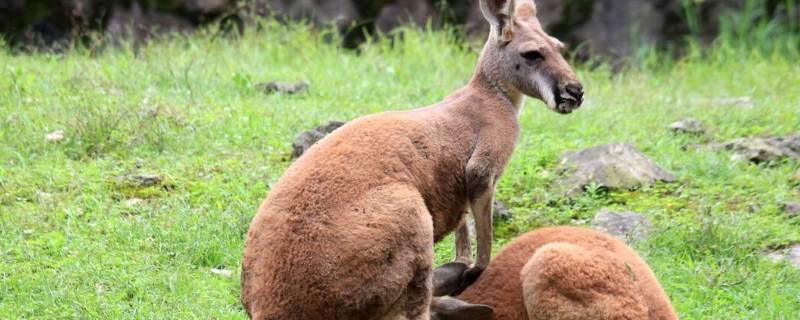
x=569, y=97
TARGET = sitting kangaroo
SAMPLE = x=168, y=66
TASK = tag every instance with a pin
x=348, y=231
x=562, y=273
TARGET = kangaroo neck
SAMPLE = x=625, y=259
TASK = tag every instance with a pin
x=487, y=80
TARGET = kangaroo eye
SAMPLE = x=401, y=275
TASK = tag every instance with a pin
x=533, y=55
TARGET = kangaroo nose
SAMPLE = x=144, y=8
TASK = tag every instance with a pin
x=576, y=90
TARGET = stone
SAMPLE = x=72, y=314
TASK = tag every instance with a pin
x=627, y=226
x=742, y=102
x=222, y=272
x=613, y=166
x=55, y=136
x=305, y=140
x=791, y=209
x=501, y=213
x=283, y=87
x=44, y=197
x=141, y=180
x=760, y=150
x=790, y=254
x=689, y=125
x=133, y=202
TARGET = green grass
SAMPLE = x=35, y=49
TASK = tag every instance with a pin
x=186, y=109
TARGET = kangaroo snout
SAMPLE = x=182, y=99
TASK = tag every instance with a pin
x=570, y=97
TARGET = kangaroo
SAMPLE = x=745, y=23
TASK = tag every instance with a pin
x=562, y=273
x=348, y=231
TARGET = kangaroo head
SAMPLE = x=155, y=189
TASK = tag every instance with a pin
x=521, y=58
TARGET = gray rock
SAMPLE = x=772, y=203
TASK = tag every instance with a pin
x=742, y=102
x=760, y=150
x=790, y=255
x=791, y=209
x=141, y=180
x=133, y=202
x=614, y=166
x=692, y=126
x=282, y=87
x=500, y=211
x=305, y=140
x=627, y=226
x=55, y=136
x=226, y=273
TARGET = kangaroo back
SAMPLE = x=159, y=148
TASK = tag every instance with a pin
x=570, y=273
x=567, y=281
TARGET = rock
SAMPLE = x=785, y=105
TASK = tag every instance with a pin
x=141, y=181
x=614, y=166
x=44, y=197
x=305, y=140
x=759, y=150
x=790, y=254
x=742, y=102
x=133, y=202
x=405, y=12
x=55, y=136
x=282, y=87
x=792, y=209
x=692, y=126
x=500, y=211
x=222, y=272
x=627, y=226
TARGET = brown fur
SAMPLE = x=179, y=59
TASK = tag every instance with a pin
x=348, y=231
x=570, y=273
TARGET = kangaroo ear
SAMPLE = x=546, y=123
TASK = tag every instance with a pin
x=448, y=278
x=500, y=15
x=454, y=309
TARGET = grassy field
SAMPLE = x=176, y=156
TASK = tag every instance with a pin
x=73, y=243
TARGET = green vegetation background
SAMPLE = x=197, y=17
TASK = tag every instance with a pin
x=72, y=245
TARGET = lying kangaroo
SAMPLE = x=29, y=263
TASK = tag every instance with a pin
x=348, y=231
x=562, y=273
